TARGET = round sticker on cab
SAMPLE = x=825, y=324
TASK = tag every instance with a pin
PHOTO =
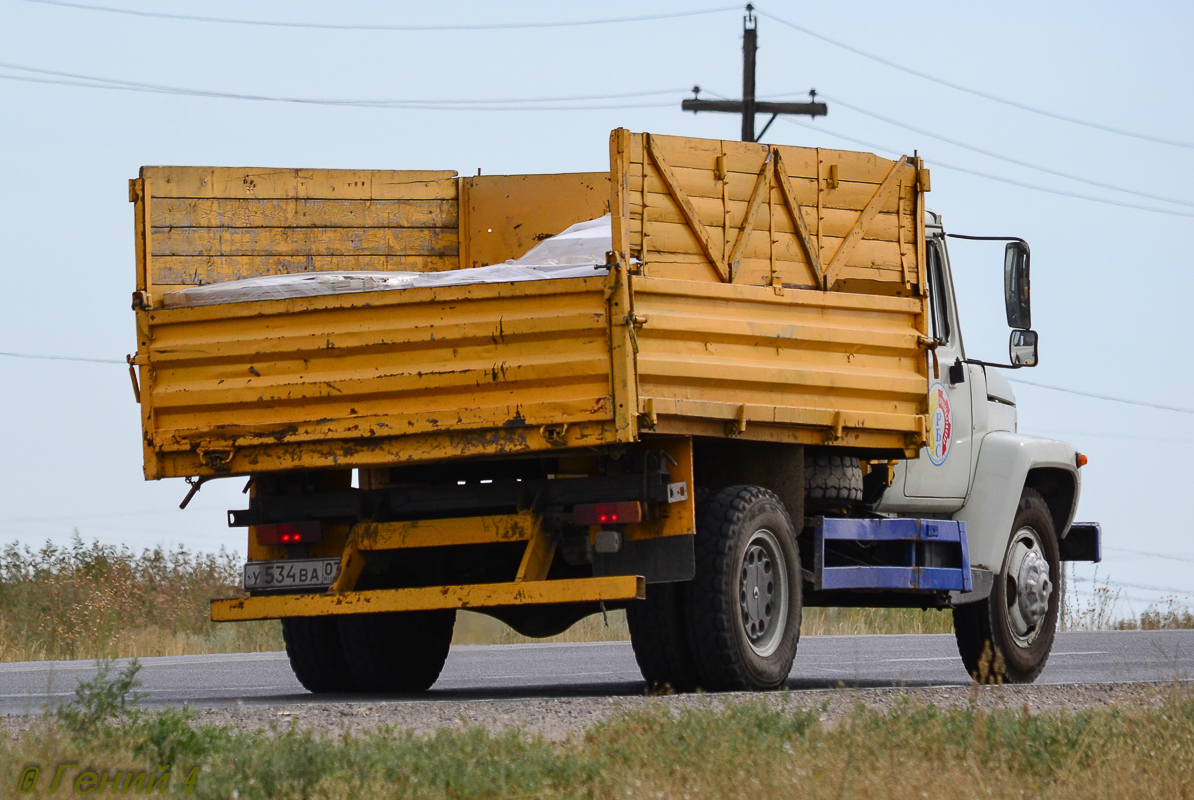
x=941, y=424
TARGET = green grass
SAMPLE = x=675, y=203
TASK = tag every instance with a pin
x=748, y=750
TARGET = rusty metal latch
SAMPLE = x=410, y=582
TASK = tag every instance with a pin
x=218, y=459
x=133, y=377
x=554, y=434
x=930, y=344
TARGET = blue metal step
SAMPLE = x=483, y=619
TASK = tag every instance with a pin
x=929, y=554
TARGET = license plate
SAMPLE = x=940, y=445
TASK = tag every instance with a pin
x=297, y=574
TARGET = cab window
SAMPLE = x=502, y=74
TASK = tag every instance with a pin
x=938, y=294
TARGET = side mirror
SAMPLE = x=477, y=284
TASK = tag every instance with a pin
x=1015, y=285
x=1021, y=349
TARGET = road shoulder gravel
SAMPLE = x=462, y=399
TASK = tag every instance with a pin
x=555, y=719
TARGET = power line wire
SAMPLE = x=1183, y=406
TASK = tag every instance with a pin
x=967, y=89
x=509, y=104
x=1142, y=586
x=1008, y=159
x=478, y=101
x=1165, y=556
x=1095, y=396
x=63, y=358
x=361, y=27
x=989, y=176
x=1122, y=436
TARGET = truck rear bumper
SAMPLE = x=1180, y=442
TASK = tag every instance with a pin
x=483, y=595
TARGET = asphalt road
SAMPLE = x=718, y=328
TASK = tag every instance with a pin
x=608, y=669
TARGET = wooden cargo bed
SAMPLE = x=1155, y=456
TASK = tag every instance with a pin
x=771, y=293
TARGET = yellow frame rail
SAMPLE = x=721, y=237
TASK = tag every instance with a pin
x=482, y=595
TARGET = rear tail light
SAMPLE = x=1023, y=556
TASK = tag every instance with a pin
x=290, y=533
x=607, y=514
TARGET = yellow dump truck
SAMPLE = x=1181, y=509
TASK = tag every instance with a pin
x=718, y=383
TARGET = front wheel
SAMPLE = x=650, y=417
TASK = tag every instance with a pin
x=743, y=607
x=1008, y=636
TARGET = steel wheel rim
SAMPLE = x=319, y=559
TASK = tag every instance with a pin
x=1028, y=586
x=763, y=592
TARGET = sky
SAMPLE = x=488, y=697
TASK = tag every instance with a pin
x=1112, y=284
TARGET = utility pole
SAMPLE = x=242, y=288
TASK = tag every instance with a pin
x=748, y=106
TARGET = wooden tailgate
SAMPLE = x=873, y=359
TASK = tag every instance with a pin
x=200, y=225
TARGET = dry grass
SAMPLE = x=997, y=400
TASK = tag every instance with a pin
x=89, y=601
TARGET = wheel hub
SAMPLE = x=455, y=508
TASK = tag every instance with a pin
x=1029, y=586
x=763, y=592
x=1033, y=588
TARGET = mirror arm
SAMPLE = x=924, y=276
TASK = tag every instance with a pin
x=988, y=238
x=991, y=364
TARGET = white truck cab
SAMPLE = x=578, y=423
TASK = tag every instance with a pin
x=1016, y=494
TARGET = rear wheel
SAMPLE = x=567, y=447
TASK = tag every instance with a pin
x=397, y=651
x=659, y=639
x=1008, y=636
x=313, y=647
x=743, y=607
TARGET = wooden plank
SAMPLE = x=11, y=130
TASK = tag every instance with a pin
x=263, y=182
x=675, y=238
x=795, y=274
x=702, y=154
x=762, y=187
x=837, y=223
x=619, y=156
x=304, y=241
x=851, y=166
x=199, y=270
x=622, y=346
x=841, y=255
x=851, y=195
x=673, y=290
x=695, y=226
x=756, y=271
x=676, y=267
x=747, y=158
x=796, y=215
x=302, y=213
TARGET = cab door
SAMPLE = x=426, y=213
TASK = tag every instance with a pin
x=943, y=467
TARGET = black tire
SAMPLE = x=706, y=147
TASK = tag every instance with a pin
x=313, y=647
x=718, y=615
x=397, y=651
x=992, y=648
x=831, y=480
x=660, y=641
